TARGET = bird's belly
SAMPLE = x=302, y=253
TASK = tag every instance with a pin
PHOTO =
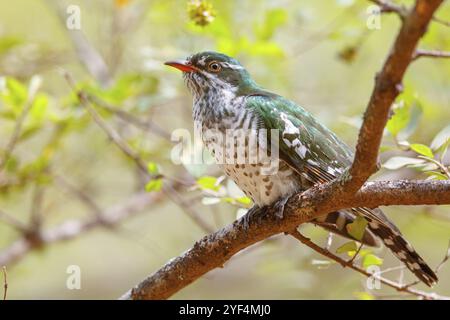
x=262, y=189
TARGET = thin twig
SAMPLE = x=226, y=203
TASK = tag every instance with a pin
x=125, y=148
x=33, y=88
x=439, y=164
x=419, y=53
x=128, y=117
x=444, y=260
x=5, y=283
x=79, y=193
x=36, y=208
x=74, y=228
x=110, y=132
x=13, y=221
x=425, y=295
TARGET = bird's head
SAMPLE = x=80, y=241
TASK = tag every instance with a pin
x=210, y=70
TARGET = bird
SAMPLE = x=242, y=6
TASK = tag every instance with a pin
x=228, y=103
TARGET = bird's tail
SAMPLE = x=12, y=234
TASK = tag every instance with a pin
x=337, y=222
x=403, y=250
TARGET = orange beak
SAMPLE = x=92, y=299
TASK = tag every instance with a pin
x=183, y=66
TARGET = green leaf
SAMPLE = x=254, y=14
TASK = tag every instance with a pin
x=356, y=228
x=154, y=185
x=208, y=183
x=273, y=20
x=361, y=253
x=435, y=175
x=399, y=120
x=407, y=114
x=244, y=200
x=395, y=163
x=39, y=108
x=441, y=138
x=15, y=95
x=152, y=168
x=362, y=295
x=422, y=149
x=372, y=260
x=346, y=247
x=9, y=42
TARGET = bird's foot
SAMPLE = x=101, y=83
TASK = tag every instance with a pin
x=279, y=207
x=249, y=215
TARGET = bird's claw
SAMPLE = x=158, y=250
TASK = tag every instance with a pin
x=279, y=207
x=246, y=218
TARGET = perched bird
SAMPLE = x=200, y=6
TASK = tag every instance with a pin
x=227, y=100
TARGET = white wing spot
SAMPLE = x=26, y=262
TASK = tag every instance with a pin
x=373, y=225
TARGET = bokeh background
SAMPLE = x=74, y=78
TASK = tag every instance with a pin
x=320, y=54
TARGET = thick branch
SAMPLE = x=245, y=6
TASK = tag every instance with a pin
x=387, y=86
x=215, y=249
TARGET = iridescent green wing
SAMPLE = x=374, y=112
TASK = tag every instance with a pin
x=308, y=147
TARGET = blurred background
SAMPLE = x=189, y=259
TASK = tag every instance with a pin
x=70, y=196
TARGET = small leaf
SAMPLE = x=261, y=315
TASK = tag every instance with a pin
x=372, y=260
x=244, y=200
x=154, y=185
x=361, y=253
x=349, y=246
x=208, y=183
x=399, y=119
x=356, y=228
x=152, y=168
x=395, y=163
x=422, y=149
x=435, y=175
x=441, y=138
x=407, y=114
x=363, y=296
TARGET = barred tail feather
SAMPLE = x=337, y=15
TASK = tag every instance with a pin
x=337, y=222
x=401, y=248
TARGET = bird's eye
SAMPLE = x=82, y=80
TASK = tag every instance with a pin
x=214, y=67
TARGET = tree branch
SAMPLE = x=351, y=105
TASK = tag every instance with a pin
x=33, y=89
x=430, y=54
x=349, y=264
x=388, y=85
x=215, y=249
x=71, y=229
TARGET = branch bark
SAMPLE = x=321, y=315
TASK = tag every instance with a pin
x=388, y=85
x=348, y=191
x=215, y=249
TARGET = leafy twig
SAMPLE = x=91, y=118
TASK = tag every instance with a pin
x=407, y=288
x=5, y=283
x=35, y=83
